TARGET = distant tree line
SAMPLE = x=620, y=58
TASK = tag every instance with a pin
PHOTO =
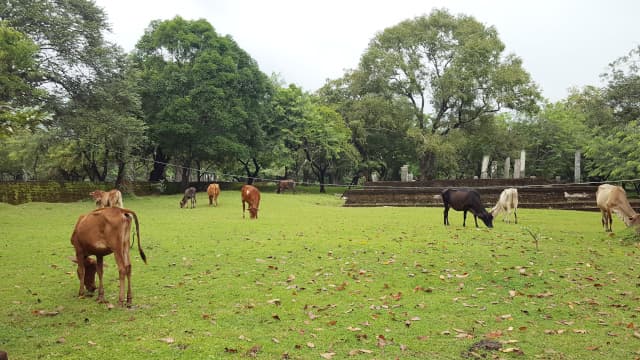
x=436, y=92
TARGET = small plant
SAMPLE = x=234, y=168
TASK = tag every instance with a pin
x=536, y=237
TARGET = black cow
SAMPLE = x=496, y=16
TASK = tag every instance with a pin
x=189, y=194
x=465, y=200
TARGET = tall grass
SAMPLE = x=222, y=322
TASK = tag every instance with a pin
x=311, y=279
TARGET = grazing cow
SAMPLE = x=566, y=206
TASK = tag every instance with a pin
x=465, y=200
x=612, y=198
x=213, y=191
x=508, y=201
x=189, y=194
x=251, y=196
x=109, y=198
x=286, y=184
x=100, y=233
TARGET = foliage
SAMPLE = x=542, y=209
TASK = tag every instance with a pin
x=452, y=72
x=202, y=95
x=69, y=39
x=376, y=282
x=551, y=140
x=19, y=98
x=378, y=126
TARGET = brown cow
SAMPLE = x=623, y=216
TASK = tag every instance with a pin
x=100, y=233
x=251, y=196
x=612, y=198
x=286, y=184
x=213, y=191
x=109, y=198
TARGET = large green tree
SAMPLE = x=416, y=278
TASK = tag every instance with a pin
x=69, y=36
x=378, y=125
x=451, y=70
x=203, y=97
x=20, y=99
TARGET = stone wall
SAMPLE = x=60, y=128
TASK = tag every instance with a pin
x=532, y=193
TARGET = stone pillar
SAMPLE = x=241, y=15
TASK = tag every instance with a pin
x=516, y=169
x=404, y=173
x=484, y=174
x=494, y=169
x=576, y=169
x=523, y=156
x=507, y=168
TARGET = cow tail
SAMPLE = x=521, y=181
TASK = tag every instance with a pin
x=135, y=219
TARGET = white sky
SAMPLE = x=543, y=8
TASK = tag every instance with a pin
x=563, y=43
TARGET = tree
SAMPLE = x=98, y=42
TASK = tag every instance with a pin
x=203, y=97
x=378, y=126
x=20, y=100
x=451, y=70
x=69, y=39
x=324, y=140
x=551, y=139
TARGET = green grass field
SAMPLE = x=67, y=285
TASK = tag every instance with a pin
x=311, y=279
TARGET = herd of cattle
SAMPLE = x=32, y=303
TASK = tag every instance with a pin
x=106, y=229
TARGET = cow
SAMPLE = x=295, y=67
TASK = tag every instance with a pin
x=109, y=198
x=612, y=198
x=100, y=233
x=465, y=200
x=285, y=185
x=250, y=195
x=508, y=201
x=213, y=191
x=189, y=194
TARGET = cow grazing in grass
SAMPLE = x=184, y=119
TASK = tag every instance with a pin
x=612, y=198
x=111, y=198
x=286, y=185
x=213, y=191
x=465, y=200
x=100, y=233
x=251, y=196
x=507, y=202
x=189, y=194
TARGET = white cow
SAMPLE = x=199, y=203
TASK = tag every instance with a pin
x=508, y=201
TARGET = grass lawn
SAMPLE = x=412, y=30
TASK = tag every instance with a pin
x=311, y=279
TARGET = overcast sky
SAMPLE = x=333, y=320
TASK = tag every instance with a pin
x=563, y=43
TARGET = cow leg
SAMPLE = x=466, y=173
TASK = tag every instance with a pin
x=100, y=271
x=464, y=218
x=515, y=215
x=475, y=218
x=243, y=209
x=446, y=215
x=122, y=271
x=609, y=220
x=80, y=270
x=210, y=200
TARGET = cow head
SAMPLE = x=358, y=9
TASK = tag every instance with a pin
x=90, y=266
x=487, y=219
x=253, y=212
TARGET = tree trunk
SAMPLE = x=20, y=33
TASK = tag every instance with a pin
x=160, y=161
x=428, y=169
x=186, y=174
x=120, y=176
x=251, y=175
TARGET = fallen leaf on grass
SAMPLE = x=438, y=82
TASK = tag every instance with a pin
x=253, y=352
x=168, y=340
x=328, y=355
x=45, y=313
x=359, y=351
